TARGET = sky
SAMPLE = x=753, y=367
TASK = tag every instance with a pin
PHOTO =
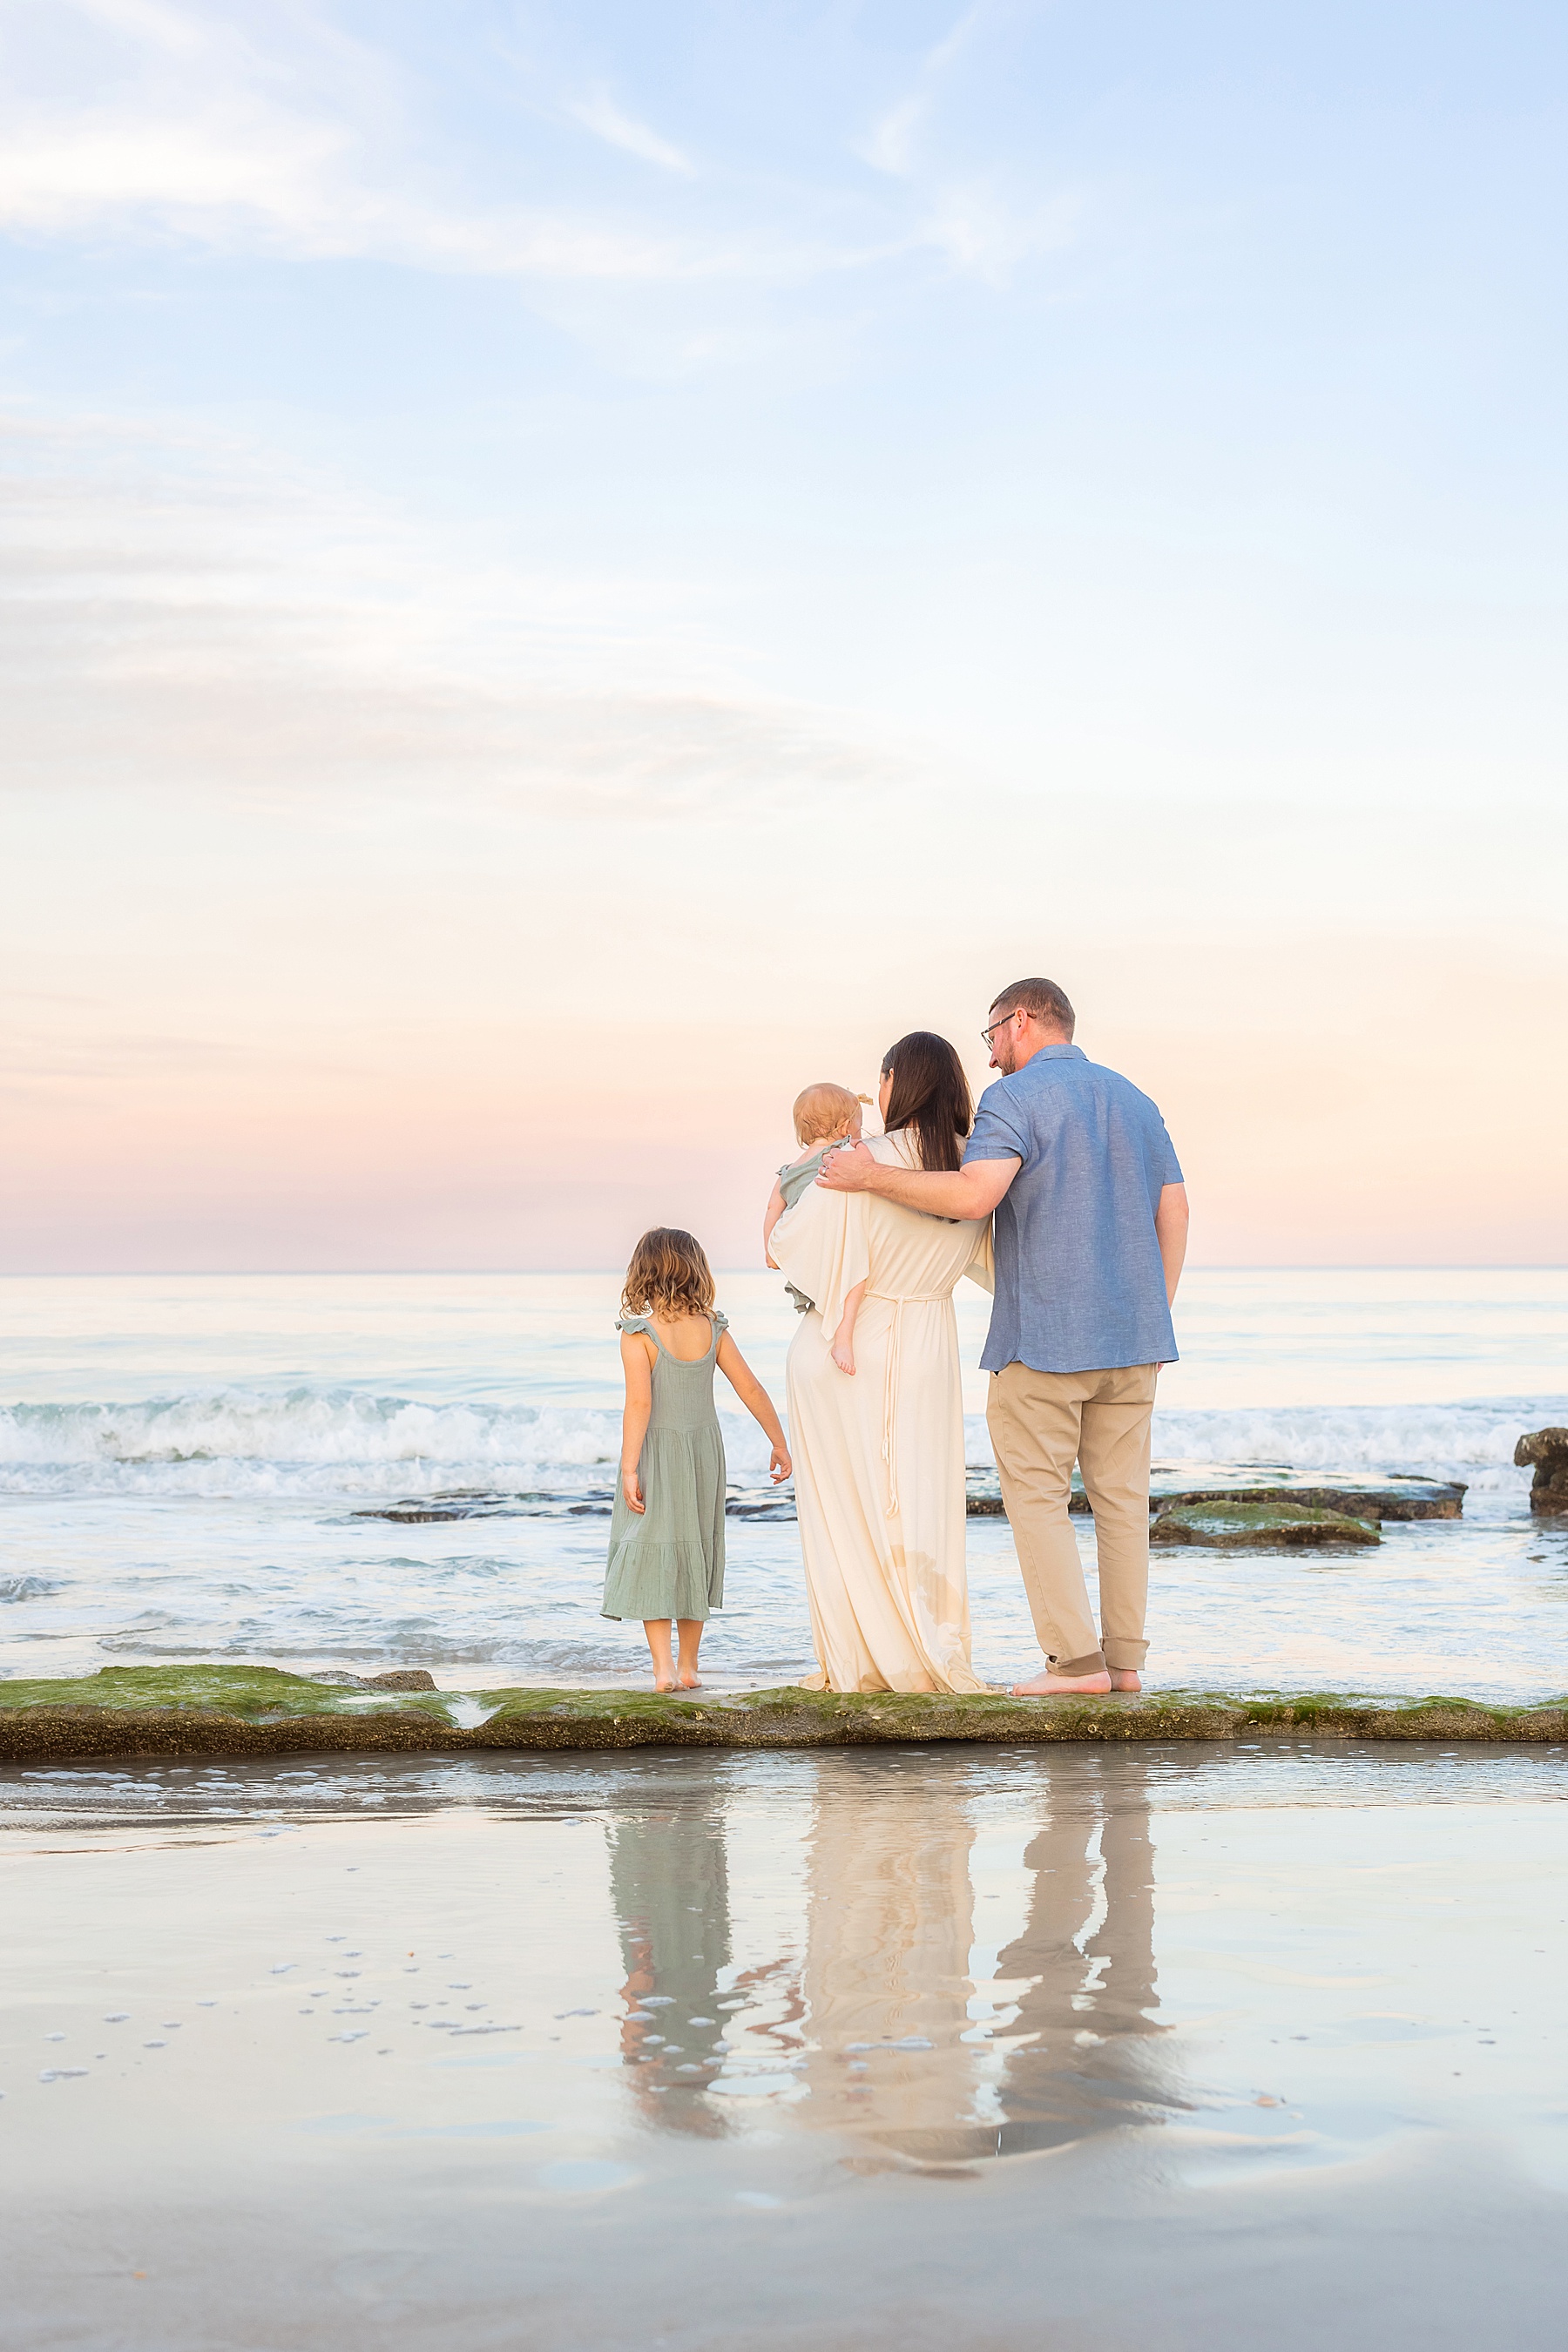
x=570, y=570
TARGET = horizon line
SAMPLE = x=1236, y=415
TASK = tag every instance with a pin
x=495, y=1273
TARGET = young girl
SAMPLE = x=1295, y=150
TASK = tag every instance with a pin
x=667, y=1532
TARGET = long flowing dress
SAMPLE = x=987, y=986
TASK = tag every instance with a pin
x=878, y=1454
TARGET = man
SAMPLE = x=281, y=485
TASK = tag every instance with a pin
x=1091, y=1232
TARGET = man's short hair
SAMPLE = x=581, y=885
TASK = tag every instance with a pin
x=1042, y=1000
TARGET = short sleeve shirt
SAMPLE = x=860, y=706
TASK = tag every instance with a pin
x=1080, y=1284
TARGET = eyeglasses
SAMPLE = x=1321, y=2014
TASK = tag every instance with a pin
x=989, y=1034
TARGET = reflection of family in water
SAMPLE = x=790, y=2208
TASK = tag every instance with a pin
x=893, y=2017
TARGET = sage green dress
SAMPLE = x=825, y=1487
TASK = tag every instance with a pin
x=669, y=1562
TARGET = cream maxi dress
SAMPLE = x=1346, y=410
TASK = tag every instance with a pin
x=879, y=1457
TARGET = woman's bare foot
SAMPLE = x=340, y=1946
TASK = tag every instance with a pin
x=1122, y=1678
x=1050, y=1685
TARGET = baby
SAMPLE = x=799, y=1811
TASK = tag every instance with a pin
x=825, y=1116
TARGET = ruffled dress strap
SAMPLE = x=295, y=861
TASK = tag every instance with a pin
x=720, y=1322
x=637, y=1323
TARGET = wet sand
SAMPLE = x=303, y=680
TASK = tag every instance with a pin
x=1016, y=2047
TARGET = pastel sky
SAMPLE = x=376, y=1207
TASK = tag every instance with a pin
x=570, y=568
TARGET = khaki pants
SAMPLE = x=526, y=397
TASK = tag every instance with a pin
x=1040, y=1425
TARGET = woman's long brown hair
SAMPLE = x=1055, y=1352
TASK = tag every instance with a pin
x=931, y=1094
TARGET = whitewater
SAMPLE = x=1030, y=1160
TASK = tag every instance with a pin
x=186, y=1464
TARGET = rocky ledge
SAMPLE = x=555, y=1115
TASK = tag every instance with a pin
x=158, y=1712
x=1548, y=1450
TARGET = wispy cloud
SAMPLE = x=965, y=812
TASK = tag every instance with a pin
x=242, y=128
x=295, y=140
x=968, y=214
x=181, y=614
x=599, y=113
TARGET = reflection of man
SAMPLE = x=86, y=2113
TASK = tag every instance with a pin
x=1088, y=1957
x=1090, y=1232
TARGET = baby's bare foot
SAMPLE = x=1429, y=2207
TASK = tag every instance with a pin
x=845, y=1360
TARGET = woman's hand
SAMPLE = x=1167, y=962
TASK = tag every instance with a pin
x=631, y=1488
x=779, y=1467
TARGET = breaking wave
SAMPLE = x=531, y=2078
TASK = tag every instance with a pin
x=309, y=1442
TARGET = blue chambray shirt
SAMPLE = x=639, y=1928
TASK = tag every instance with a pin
x=1080, y=1286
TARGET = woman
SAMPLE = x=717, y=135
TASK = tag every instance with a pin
x=879, y=1451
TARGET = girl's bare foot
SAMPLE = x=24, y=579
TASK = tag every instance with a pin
x=689, y=1682
x=663, y=1686
x=1122, y=1678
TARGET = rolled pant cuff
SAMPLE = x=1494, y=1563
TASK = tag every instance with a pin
x=1126, y=1657
x=1094, y=1663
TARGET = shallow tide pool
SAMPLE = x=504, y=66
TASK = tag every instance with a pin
x=1182, y=2047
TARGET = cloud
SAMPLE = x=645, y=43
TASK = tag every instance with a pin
x=600, y=114
x=965, y=215
x=177, y=123
x=889, y=144
x=239, y=127
x=181, y=614
x=981, y=233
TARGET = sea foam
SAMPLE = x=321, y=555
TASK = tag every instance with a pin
x=325, y=1442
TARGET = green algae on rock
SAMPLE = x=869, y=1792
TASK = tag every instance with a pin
x=1262, y=1524
x=158, y=1712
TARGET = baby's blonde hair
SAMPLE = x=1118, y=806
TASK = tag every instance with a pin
x=822, y=1107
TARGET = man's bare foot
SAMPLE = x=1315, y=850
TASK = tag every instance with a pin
x=1122, y=1678
x=1050, y=1685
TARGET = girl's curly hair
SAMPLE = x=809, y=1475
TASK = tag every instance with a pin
x=670, y=1276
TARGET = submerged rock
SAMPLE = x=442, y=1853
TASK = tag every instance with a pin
x=1263, y=1524
x=1548, y=1450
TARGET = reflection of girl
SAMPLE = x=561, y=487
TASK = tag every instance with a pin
x=666, y=1531
x=670, y=1892
x=879, y=1449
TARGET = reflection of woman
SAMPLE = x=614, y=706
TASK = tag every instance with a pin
x=889, y=1931
x=878, y=1451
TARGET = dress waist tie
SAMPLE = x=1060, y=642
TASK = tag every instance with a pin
x=890, y=1384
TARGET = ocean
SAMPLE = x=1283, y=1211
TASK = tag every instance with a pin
x=186, y=1462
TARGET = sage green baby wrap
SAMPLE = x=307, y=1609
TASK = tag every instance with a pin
x=669, y=1562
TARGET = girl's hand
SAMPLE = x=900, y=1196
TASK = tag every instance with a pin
x=779, y=1467
x=632, y=1489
